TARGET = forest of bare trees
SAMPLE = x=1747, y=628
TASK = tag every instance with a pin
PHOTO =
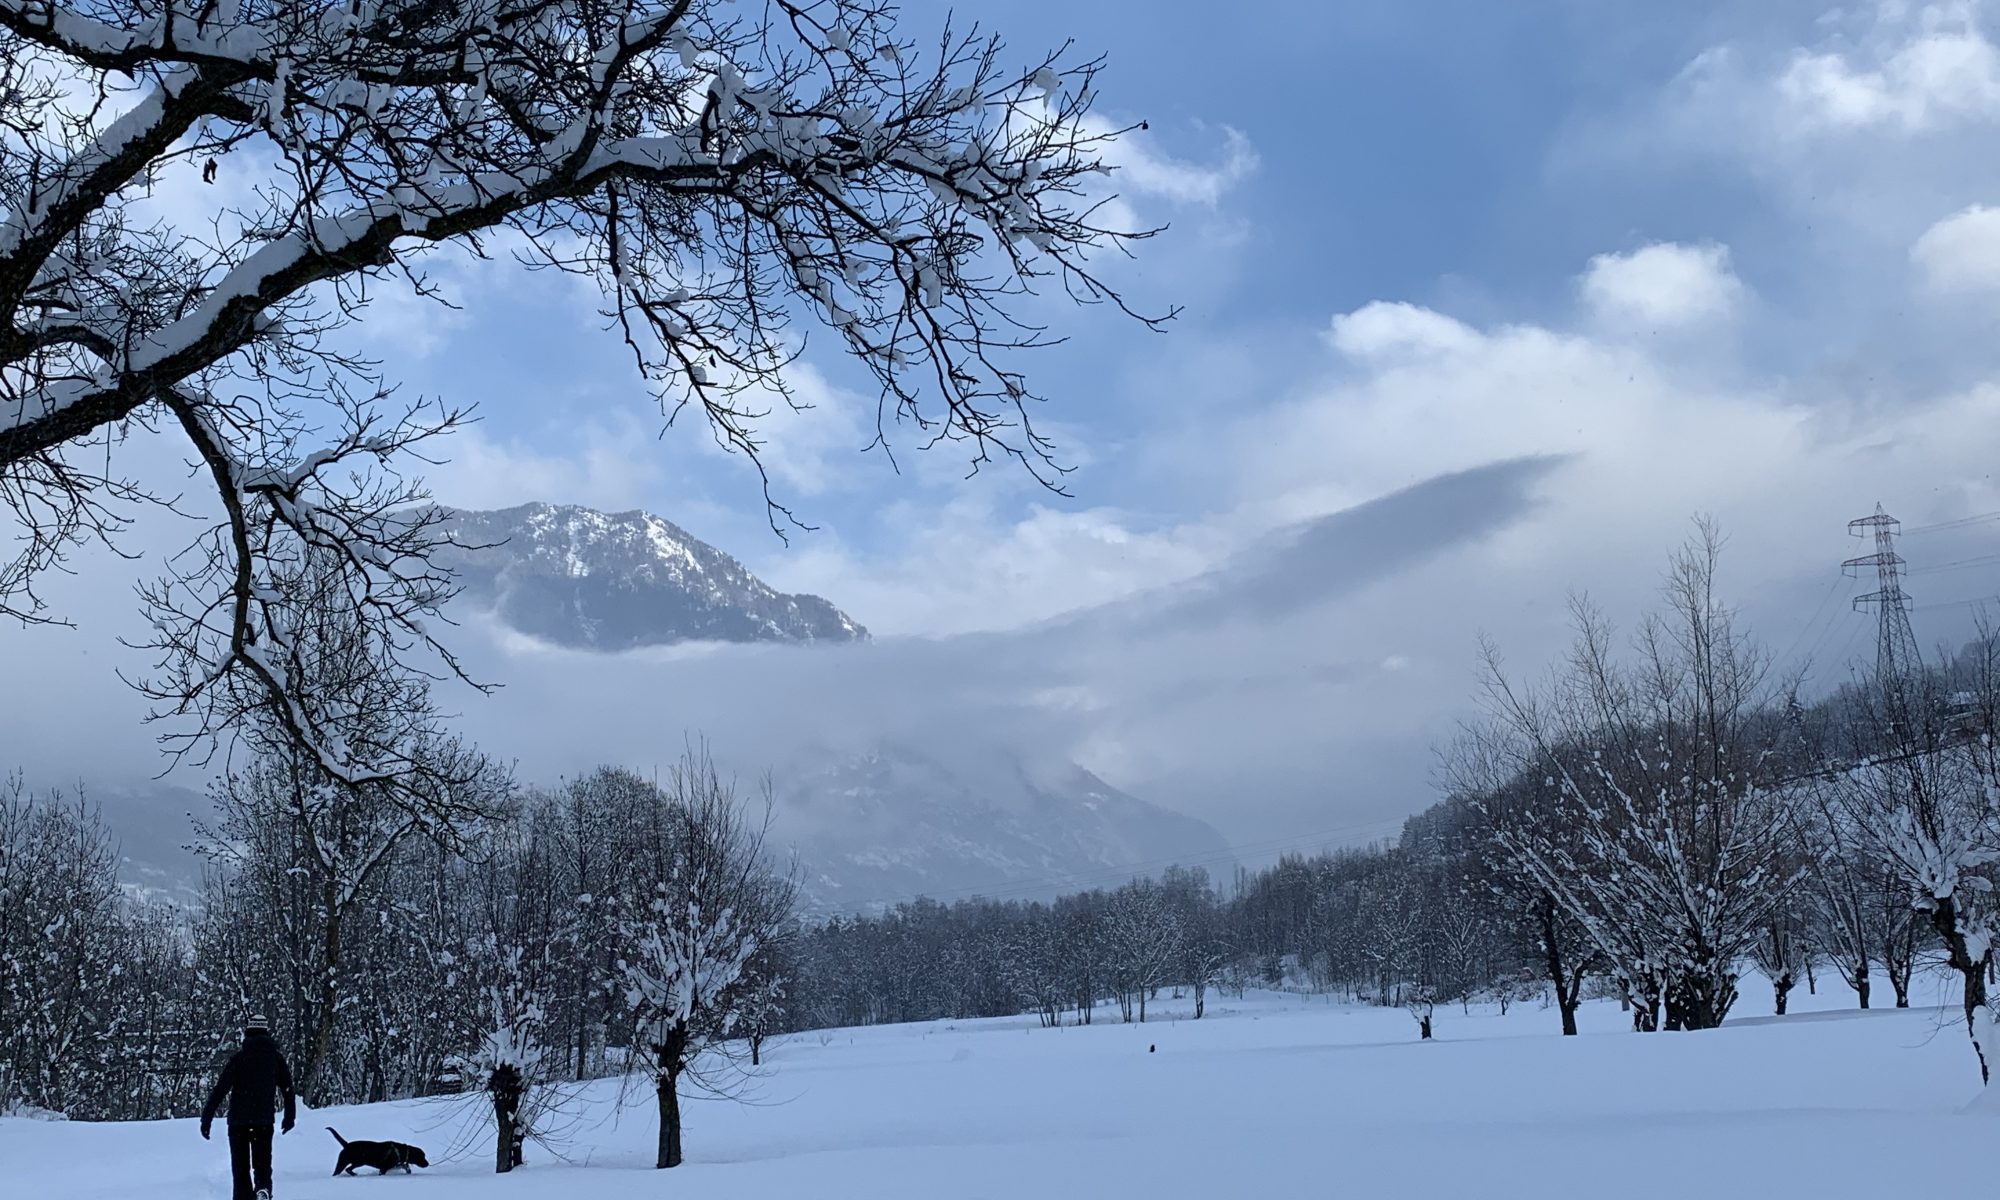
x=614, y=924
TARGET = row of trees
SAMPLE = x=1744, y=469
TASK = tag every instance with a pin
x=1062, y=960
x=1649, y=817
x=1682, y=807
x=615, y=925
x=91, y=988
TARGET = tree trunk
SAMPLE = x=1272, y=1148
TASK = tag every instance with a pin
x=1424, y=1027
x=669, y=1058
x=756, y=1049
x=1567, y=990
x=1971, y=971
x=1860, y=984
x=1899, y=972
x=1200, y=998
x=1569, y=997
x=1700, y=1000
x=505, y=1085
x=1812, y=982
x=1782, y=986
x=1676, y=1009
x=670, y=1121
x=316, y=1088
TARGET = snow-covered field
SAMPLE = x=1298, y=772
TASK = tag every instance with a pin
x=1273, y=1094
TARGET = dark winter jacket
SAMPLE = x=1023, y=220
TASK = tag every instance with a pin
x=251, y=1083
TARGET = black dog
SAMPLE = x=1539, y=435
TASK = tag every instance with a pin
x=383, y=1156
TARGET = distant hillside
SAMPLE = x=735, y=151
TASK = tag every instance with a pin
x=898, y=822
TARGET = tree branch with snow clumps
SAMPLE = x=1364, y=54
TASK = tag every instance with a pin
x=724, y=173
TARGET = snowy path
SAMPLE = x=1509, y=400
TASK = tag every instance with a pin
x=1273, y=1094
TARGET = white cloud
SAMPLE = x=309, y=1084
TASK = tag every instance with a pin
x=1916, y=68
x=1141, y=167
x=964, y=567
x=1144, y=177
x=1961, y=253
x=613, y=466
x=1662, y=285
x=1383, y=331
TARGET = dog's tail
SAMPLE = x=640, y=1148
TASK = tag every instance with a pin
x=336, y=1135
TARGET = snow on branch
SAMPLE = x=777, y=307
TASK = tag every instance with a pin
x=727, y=174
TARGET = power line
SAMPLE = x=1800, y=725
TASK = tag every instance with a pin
x=1822, y=620
x=1979, y=560
x=1959, y=523
x=1974, y=602
x=1812, y=621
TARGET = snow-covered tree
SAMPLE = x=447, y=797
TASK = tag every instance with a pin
x=1658, y=829
x=1080, y=923
x=724, y=174
x=1203, y=945
x=1923, y=796
x=1035, y=966
x=512, y=1056
x=592, y=827
x=1781, y=953
x=61, y=950
x=308, y=852
x=1420, y=1001
x=709, y=898
x=767, y=979
x=1143, y=943
x=1842, y=888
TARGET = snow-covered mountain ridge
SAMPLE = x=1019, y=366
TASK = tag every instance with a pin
x=615, y=581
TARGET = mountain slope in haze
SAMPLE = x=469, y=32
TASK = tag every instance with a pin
x=615, y=581
x=869, y=830
x=897, y=823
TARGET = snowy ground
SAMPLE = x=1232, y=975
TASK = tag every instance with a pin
x=1272, y=1094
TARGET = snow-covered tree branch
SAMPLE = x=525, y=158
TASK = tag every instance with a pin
x=728, y=175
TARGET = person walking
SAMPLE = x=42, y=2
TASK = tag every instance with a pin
x=251, y=1082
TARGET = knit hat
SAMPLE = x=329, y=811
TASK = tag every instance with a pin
x=257, y=1022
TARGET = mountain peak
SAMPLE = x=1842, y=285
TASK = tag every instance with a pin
x=584, y=578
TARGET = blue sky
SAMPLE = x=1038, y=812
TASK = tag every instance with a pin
x=1482, y=303
x=1310, y=159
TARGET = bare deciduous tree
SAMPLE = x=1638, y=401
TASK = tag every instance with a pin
x=723, y=173
x=311, y=847
x=708, y=900
x=1921, y=795
x=1661, y=835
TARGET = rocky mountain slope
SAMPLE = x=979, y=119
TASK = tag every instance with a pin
x=614, y=581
